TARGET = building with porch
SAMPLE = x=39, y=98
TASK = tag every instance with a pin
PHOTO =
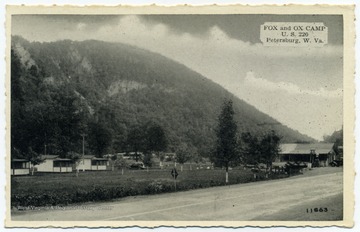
x=316, y=154
x=52, y=163
x=90, y=162
x=99, y=163
x=20, y=167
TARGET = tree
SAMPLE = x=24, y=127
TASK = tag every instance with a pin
x=148, y=160
x=270, y=148
x=156, y=141
x=136, y=141
x=120, y=163
x=76, y=159
x=337, y=139
x=225, y=151
x=183, y=155
x=99, y=138
x=34, y=159
x=198, y=159
x=113, y=162
x=43, y=114
x=161, y=158
x=250, y=149
x=261, y=150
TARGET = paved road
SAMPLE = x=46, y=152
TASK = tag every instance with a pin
x=236, y=202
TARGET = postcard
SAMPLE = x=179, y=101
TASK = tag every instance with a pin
x=180, y=116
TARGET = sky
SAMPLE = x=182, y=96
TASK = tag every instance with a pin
x=299, y=86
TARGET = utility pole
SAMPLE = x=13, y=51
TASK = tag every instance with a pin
x=83, y=144
x=83, y=150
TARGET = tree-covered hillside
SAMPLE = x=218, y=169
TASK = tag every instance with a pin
x=62, y=91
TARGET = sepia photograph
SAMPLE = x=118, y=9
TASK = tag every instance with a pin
x=199, y=117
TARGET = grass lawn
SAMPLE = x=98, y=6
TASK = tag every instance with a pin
x=62, y=181
x=66, y=188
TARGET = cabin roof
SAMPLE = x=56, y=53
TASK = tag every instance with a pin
x=62, y=159
x=19, y=160
x=88, y=156
x=99, y=159
x=305, y=148
x=49, y=156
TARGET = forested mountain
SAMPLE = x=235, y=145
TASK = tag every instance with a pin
x=334, y=137
x=63, y=90
x=337, y=138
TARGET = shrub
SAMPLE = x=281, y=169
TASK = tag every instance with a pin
x=50, y=190
x=159, y=187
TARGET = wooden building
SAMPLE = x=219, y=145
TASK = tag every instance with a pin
x=99, y=163
x=90, y=162
x=316, y=154
x=20, y=167
x=52, y=163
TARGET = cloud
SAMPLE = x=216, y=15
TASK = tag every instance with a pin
x=292, y=83
x=289, y=88
x=224, y=59
x=301, y=82
x=132, y=29
x=312, y=112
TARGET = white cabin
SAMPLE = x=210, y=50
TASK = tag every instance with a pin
x=91, y=163
x=20, y=167
x=52, y=163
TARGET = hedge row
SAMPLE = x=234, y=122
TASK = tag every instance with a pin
x=104, y=192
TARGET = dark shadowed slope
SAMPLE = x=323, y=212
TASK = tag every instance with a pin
x=121, y=86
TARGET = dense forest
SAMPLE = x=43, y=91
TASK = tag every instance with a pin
x=63, y=92
x=337, y=138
